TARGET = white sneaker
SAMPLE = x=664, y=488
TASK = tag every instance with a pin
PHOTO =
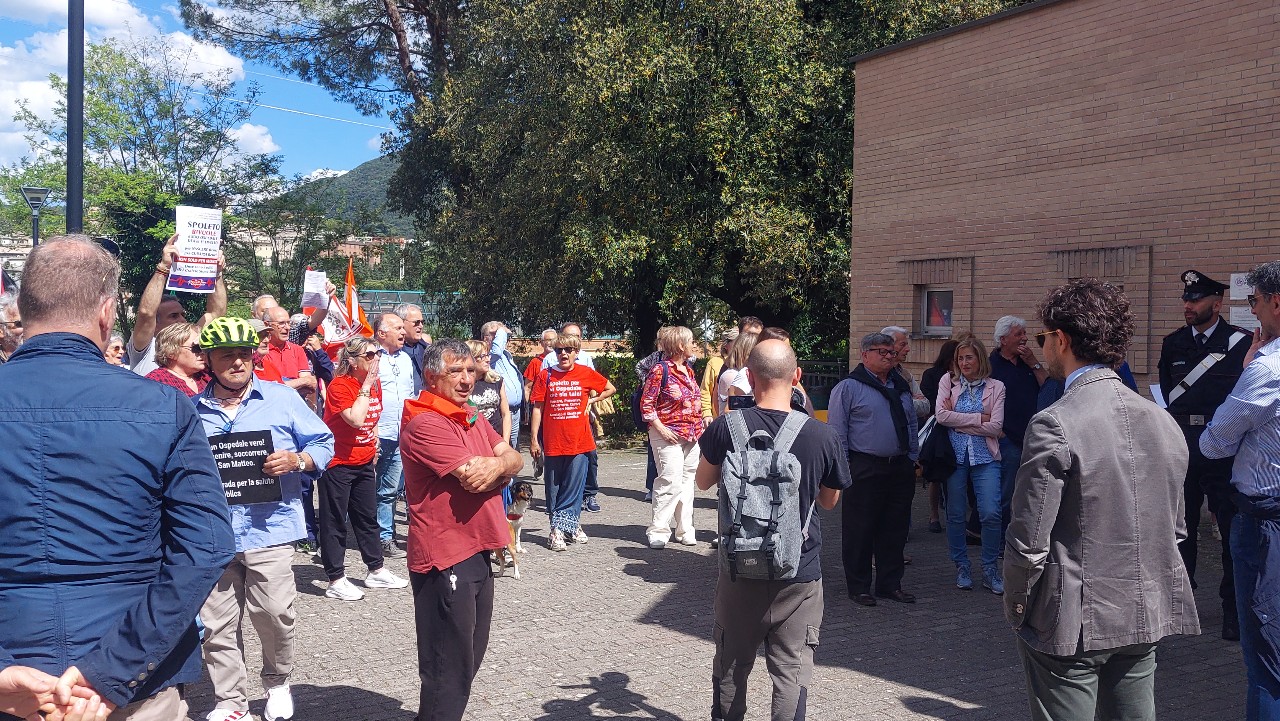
x=343, y=590
x=556, y=540
x=226, y=714
x=687, y=540
x=382, y=578
x=279, y=704
x=580, y=536
x=657, y=543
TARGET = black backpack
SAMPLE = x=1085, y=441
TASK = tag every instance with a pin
x=636, y=419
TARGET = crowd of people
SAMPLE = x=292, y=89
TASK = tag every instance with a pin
x=159, y=486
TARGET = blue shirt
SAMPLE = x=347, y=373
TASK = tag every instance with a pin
x=1247, y=425
x=862, y=420
x=395, y=375
x=1066, y=386
x=113, y=524
x=502, y=361
x=970, y=450
x=1020, y=392
x=294, y=427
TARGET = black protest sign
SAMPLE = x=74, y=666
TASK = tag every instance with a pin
x=240, y=457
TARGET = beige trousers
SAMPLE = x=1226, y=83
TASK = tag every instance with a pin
x=673, y=488
x=260, y=582
x=164, y=706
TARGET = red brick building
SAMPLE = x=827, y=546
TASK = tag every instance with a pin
x=1128, y=141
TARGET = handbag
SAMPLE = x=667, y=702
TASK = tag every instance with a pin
x=937, y=457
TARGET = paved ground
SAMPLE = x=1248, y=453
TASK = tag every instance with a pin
x=616, y=630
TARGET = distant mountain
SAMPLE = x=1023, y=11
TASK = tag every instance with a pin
x=361, y=192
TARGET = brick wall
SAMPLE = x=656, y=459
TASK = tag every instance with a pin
x=1130, y=141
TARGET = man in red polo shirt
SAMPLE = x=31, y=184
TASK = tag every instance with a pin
x=454, y=469
x=285, y=362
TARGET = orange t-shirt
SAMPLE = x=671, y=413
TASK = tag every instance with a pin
x=566, y=428
x=352, y=446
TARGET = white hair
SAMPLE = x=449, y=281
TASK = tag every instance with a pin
x=404, y=308
x=895, y=330
x=1005, y=326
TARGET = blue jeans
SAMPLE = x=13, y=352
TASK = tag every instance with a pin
x=390, y=485
x=986, y=480
x=565, y=478
x=1010, y=459
x=514, y=440
x=1262, y=702
x=592, y=484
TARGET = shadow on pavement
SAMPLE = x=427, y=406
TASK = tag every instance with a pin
x=608, y=692
x=316, y=701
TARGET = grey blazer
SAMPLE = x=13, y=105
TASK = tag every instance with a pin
x=1091, y=559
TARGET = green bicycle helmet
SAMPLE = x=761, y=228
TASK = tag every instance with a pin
x=228, y=332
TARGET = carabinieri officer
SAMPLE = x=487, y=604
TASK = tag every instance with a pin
x=1199, y=365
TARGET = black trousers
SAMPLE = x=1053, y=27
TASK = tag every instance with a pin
x=349, y=491
x=452, y=619
x=1210, y=477
x=875, y=516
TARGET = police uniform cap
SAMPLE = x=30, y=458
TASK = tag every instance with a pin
x=1197, y=285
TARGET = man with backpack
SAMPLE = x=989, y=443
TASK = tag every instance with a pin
x=770, y=584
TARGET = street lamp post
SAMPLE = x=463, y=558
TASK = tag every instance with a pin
x=35, y=198
x=75, y=116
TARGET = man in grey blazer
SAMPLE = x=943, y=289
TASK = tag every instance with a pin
x=1093, y=578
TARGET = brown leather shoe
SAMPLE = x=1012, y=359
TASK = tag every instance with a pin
x=863, y=599
x=901, y=596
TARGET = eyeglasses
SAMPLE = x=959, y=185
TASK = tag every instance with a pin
x=884, y=352
x=1042, y=336
x=1253, y=301
x=415, y=322
x=480, y=358
x=276, y=323
x=18, y=323
x=565, y=350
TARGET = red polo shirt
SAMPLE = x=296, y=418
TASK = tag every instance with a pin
x=284, y=363
x=448, y=524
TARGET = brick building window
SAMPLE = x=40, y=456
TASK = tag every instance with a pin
x=935, y=311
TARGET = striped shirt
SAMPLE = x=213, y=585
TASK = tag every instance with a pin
x=1247, y=425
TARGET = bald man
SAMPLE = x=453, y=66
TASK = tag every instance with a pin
x=784, y=614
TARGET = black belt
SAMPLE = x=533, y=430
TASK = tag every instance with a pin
x=1194, y=420
x=879, y=459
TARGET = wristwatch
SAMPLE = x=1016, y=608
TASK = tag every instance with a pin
x=1037, y=367
x=302, y=465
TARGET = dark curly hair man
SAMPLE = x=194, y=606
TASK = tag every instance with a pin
x=1094, y=315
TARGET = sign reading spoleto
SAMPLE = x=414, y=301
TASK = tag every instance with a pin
x=240, y=457
x=199, y=241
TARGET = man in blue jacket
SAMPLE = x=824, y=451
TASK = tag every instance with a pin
x=113, y=523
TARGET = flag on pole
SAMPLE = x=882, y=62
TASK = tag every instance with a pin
x=346, y=319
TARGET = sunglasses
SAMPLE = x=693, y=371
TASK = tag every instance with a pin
x=1041, y=336
x=195, y=348
x=565, y=350
x=369, y=354
x=18, y=323
x=1253, y=300
x=415, y=322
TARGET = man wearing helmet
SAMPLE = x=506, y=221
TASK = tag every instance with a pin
x=240, y=411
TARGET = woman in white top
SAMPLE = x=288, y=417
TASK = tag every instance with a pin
x=735, y=366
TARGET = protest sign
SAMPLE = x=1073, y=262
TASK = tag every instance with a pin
x=313, y=293
x=199, y=240
x=240, y=457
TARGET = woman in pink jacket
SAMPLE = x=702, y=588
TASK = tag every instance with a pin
x=971, y=406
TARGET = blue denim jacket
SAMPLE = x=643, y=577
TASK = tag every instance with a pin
x=113, y=524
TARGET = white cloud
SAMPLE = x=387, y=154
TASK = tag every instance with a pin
x=253, y=139
x=322, y=173
x=375, y=143
x=25, y=64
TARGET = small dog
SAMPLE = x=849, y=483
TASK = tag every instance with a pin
x=521, y=499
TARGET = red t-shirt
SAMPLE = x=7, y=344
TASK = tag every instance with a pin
x=566, y=428
x=531, y=370
x=448, y=524
x=284, y=363
x=352, y=446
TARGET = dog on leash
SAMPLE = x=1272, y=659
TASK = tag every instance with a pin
x=521, y=499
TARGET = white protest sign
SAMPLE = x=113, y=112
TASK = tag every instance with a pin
x=313, y=295
x=199, y=241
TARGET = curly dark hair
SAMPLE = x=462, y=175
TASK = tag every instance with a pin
x=1095, y=315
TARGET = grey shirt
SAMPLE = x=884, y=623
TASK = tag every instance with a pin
x=862, y=419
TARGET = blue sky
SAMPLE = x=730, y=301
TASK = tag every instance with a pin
x=33, y=44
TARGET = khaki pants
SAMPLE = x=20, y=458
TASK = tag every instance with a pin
x=164, y=706
x=260, y=582
x=673, y=487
